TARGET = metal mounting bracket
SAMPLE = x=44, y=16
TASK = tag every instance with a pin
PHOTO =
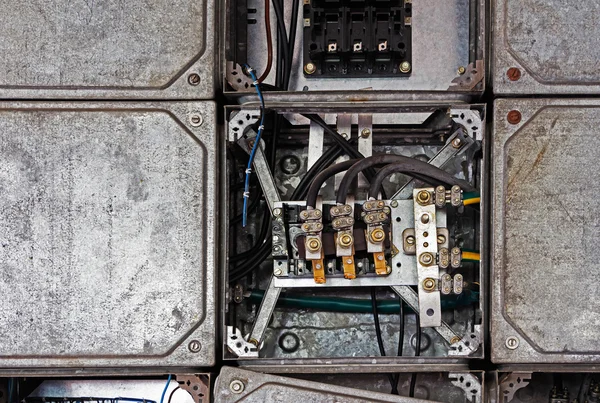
x=510, y=383
x=469, y=383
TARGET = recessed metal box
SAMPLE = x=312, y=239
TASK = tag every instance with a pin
x=108, y=49
x=108, y=234
x=545, y=47
x=545, y=226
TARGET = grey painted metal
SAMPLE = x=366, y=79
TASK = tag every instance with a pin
x=265, y=312
x=544, y=228
x=440, y=46
x=510, y=383
x=552, y=43
x=470, y=384
x=261, y=388
x=315, y=144
x=108, y=234
x=109, y=49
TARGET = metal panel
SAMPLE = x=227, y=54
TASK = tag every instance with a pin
x=443, y=42
x=545, y=220
x=107, y=227
x=238, y=385
x=108, y=49
x=545, y=47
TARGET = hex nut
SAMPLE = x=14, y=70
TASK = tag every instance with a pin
x=377, y=235
x=237, y=386
x=313, y=245
x=512, y=343
x=345, y=240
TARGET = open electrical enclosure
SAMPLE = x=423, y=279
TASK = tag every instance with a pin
x=381, y=49
x=301, y=281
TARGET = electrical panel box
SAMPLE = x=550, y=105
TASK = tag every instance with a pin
x=545, y=47
x=303, y=273
x=239, y=385
x=545, y=304
x=107, y=232
x=339, y=50
x=108, y=49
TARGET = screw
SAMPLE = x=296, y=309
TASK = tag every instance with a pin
x=425, y=218
x=194, y=346
x=278, y=272
x=513, y=117
x=456, y=143
x=394, y=204
x=346, y=240
x=512, y=343
x=423, y=197
x=405, y=67
x=277, y=212
x=426, y=258
x=344, y=135
x=410, y=240
x=318, y=213
x=461, y=70
x=314, y=245
x=310, y=68
x=441, y=239
x=455, y=339
x=513, y=74
x=377, y=235
x=306, y=227
x=237, y=386
x=196, y=119
x=194, y=79
x=365, y=133
x=428, y=284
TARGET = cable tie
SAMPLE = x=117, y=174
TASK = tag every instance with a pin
x=261, y=127
x=248, y=170
x=255, y=82
x=246, y=195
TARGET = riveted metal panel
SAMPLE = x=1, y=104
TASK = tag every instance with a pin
x=545, y=227
x=108, y=49
x=545, y=47
x=107, y=232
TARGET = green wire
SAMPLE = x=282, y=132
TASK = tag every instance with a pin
x=351, y=305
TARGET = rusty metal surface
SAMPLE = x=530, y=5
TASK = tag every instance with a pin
x=545, y=226
x=552, y=44
x=108, y=49
x=107, y=232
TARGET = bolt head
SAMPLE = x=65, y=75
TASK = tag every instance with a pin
x=278, y=272
x=461, y=70
x=377, y=235
x=423, y=197
x=456, y=143
x=428, y=284
x=237, y=386
x=365, y=133
x=441, y=239
x=394, y=204
x=405, y=67
x=194, y=346
x=313, y=245
x=512, y=343
x=277, y=212
x=410, y=240
x=310, y=68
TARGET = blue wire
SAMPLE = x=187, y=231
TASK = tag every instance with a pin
x=254, y=147
x=162, y=398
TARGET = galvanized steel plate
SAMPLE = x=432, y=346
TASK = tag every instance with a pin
x=108, y=49
x=238, y=385
x=552, y=43
x=546, y=231
x=107, y=233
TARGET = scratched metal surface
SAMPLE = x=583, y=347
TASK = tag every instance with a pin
x=546, y=231
x=552, y=42
x=107, y=234
x=111, y=49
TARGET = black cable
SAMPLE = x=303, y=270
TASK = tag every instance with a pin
x=410, y=164
x=413, y=377
x=172, y=393
x=315, y=186
x=392, y=378
x=281, y=39
x=419, y=169
x=400, y=337
x=291, y=43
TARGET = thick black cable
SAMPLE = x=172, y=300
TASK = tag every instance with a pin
x=400, y=337
x=411, y=167
x=392, y=378
x=411, y=164
x=282, y=38
x=291, y=43
x=413, y=377
x=315, y=186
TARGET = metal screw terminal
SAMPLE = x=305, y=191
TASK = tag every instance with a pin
x=365, y=133
x=405, y=67
x=377, y=235
x=237, y=386
x=423, y=197
x=310, y=68
x=429, y=284
x=346, y=240
x=313, y=245
x=426, y=259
